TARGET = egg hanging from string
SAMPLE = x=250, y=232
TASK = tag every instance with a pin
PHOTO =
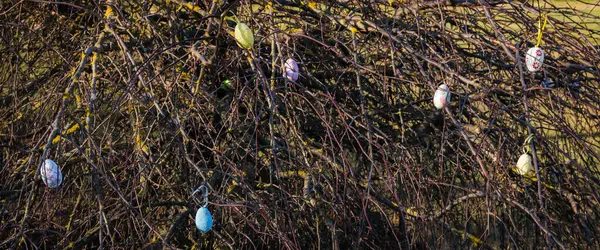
x=243, y=35
x=50, y=173
x=204, y=220
x=441, y=98
x=291, y=70
x=524, y=164
x=534, y=59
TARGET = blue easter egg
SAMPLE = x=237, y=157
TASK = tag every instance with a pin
x=203, y=220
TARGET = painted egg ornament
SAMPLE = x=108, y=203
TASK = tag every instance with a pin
x=51, y=174
x=203, y=220
x=291, y=70
x=227, y=85
x=524, y=164
x=441, y=97
x=244, y=36
x=534, y=59
x=547, y=83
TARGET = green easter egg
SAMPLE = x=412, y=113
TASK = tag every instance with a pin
x=244, y=36
x=226, y=85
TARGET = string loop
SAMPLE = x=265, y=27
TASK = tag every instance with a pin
x=541, y=28
x=204, y=189
x=526, y=144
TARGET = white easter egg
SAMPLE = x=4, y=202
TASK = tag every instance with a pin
x=203, y=220
x=441, y=97
x=51, y=174
x=524, y=164
x=534, y=59
x=244, y=36
x=291, y=69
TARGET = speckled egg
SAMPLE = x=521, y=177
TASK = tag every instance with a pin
x=203, y=220
x=441, y=97
x=50, y=173
x=534, y=59
x=291, y=69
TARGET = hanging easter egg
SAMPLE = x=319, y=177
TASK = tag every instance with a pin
x=291, y=69
x=51, y=174
x=534, y=59
x=227, y=85
x=524, y=164
x=547, y=83
x=203, y=220
x=243, y=35
x=441, y=97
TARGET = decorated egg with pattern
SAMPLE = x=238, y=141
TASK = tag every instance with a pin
x=524, y=164
x=244, y=36
x=51, y=174
x=291, y=70
x=441, y=98
x=203, y=220
x=534, y=59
